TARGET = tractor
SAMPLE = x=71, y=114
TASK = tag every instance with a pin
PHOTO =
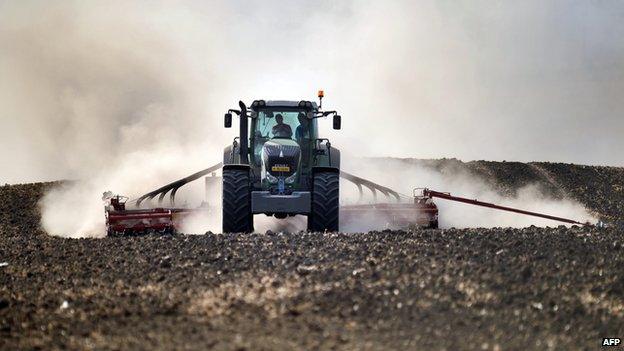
x=280, y=166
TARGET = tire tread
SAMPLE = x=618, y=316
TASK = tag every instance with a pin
x=236, y=207
x=325, y=214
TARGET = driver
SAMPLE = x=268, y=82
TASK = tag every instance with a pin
x=281, y=129
x=302, y=130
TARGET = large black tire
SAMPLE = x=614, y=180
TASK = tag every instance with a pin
x=237, y=216
x=324, y=215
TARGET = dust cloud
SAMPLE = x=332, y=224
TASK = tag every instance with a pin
x=127, y=96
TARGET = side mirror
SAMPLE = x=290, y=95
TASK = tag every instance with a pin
x=337, y=121
x=227, y=121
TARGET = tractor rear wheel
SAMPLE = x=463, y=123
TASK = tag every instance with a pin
x=237, y=216
x=324, y=214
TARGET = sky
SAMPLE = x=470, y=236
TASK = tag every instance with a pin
x=125, y=89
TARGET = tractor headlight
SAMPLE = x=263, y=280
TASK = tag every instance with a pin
x=291, y=179
x=272, y=179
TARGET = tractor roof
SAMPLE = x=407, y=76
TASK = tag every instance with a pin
x=284, y=103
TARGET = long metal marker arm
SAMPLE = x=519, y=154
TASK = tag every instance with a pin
x=447, y=196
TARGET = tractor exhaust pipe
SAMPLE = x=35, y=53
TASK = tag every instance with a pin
x=244, y=134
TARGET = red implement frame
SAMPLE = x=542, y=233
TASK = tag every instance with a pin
x=120, y=220
x=397, y=212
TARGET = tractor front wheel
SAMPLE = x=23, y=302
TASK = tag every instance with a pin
x=237, y=216
x=324, y=215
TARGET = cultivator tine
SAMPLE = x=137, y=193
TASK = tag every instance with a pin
x=373, y=187
x=374, y=191
x=361, y=193
x=172, y=196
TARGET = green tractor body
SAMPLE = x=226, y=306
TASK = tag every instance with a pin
x=279, y=166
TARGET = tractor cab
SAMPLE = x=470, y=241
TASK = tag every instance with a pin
x=281, y=120
x=281, y=140
x=279, y=166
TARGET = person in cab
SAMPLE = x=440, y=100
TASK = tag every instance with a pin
x=281, y=129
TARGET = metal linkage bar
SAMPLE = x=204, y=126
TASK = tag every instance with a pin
x=374, y=187
x=447, y=196
x=174, y=186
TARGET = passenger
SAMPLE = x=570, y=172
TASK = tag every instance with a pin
x=281, y=129
x=302, y=130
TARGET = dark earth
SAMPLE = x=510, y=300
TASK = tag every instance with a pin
x=491, y=289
